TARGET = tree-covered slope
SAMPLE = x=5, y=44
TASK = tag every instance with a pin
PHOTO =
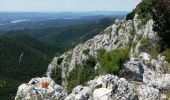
x=68, y=36
x=159, y=11
x=26, y=53
x=144, y=9
x=161, y=17
x=21, y=58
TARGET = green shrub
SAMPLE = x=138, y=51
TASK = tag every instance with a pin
x=130, y=15
x=150, y=47
x=81, y=74
x=144, y=45
x=86, y=52
x=56, y=75
x=139, y=36
x=154, y=53
x=166, y=53
x=161, y=19
x=144, y=10
x=110, y=62
x=2, y=84
x=59, y=61
x=134, y=44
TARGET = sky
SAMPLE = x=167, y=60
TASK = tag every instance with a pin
x=66, y=5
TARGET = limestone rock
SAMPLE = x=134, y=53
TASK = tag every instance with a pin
x=102, y=94
x=146, y=93
x=79, y=93
x=142, y=77
x=40, y=89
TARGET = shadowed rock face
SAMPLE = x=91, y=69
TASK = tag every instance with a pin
x=132, y=71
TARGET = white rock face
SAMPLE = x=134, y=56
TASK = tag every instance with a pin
x=116, y=36
x=145, y=57
x=145, y=92
x=79, y=93
x=106, y=87
x=110, y=87
x=154, y=73
x=40, y=89
x=102, y=94
x=154, y=77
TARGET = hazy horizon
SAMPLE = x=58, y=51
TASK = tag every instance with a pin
x=67, y=6
x=62, y=11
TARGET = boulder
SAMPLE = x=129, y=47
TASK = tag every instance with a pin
x=79, y=93
x=40, y=88
x=102, y=94
x=132, y=70
x=113, y=88
x=145, y=92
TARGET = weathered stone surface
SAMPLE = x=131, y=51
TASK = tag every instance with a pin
x=132, y=71
x=116, y=36
x=40, y=89
x=112, y=88
x=145, y=92
x=79, y=93
x=143, y=77
x=102, y=94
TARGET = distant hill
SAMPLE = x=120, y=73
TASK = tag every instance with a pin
x=28, y=20
x=21, y=58
x=68, y=36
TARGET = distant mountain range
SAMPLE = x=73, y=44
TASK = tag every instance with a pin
x=6, y=17
x=18, y=21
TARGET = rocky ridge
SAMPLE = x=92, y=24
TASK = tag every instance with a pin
x=40, y=89
x=154, y=79
x=116, y=36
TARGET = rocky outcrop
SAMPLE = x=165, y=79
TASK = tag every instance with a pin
x=141, y=78
x=106, y=87
x=145, y=92
x=40, y=89
x=110, y=87
x=102, y=94
x=119, y=35
x=115, y=36
x=79, y=93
